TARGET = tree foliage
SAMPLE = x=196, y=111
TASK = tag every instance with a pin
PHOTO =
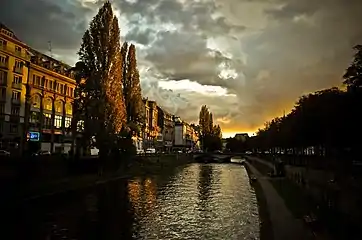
x=102, y=92
x=326, y=121
x=209, y=134
x=132, y=87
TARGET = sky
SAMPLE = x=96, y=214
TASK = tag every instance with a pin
x=248, y=60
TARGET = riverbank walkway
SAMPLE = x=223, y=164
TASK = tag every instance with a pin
x=284, y=225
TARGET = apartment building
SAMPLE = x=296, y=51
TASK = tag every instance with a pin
x=14, y=59
x=50, y=84
x=167, y=125
x=52, y=87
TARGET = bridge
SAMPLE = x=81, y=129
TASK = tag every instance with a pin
x=216, y=157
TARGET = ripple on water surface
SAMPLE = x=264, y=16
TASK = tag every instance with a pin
x=203, y=201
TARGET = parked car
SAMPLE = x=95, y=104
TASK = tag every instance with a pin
x=151, y=150
x=42, y=153
x=4, y=153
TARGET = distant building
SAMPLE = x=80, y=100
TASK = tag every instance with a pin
x=185, y=136
x=152, y=132
x=165, y=122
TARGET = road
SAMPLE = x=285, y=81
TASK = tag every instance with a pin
x=199, y=201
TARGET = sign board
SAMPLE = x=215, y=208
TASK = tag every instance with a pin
x=34, y=136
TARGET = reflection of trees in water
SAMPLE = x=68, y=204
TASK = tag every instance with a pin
x=142, y=195
x=204, y=184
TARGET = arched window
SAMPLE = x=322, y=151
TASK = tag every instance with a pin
x=69, y=108
x=48, y=104
x=36, y=101
x=59, y=106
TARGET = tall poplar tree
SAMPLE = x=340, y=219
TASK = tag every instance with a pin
x=105, y=115
x=211, y=124
x=132, y=89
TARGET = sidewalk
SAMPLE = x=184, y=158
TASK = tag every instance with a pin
x=285, y=226
x=269, y=164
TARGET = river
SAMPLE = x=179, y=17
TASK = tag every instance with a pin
x=200, y=201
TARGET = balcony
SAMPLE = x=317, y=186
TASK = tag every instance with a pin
x=15, y=101
x=4, y=65
x=18, y=70
x=22, y=54
x=17, y=86
x=3, y=83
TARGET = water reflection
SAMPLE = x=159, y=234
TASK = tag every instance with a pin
x=203, y=201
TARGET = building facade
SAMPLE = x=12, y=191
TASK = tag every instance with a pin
x=166, y=123
x=14, y=56
x=152, y=132
x=50, y=85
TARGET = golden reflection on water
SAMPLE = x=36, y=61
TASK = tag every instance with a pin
x=142, y=195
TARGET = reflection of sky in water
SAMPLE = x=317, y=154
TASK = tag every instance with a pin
x=201, y=202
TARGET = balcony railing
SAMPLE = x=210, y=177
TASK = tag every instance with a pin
x=21, y=54
x=3, y=82
x=18, y=70
x=17, y=85
x=4, y=65
x=15, y=101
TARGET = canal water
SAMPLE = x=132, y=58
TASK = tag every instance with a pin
x=200, y=201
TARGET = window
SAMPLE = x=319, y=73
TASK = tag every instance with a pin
x=34, y=118
x=18, y=64
x=47, y=120
x=69, y=109
x=3, y=61
x=43, y=81
x=80, y=126
x=2, y=108
x=59, y=107
x=68, y=122
x=17, y=79
x=36, y=101
x=48, y=104
x=58, y=121
x=36, y=80
x=2, y=44
x=15, y=95
x=13, y=128
x=15, y=110
x=3, y=77
x=18, y=50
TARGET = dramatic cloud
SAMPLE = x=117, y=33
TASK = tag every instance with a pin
x=247, y=60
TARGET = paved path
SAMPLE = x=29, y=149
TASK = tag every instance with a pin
x=285, y=226
x=269, y=164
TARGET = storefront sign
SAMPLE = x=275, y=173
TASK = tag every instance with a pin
x=33, y=136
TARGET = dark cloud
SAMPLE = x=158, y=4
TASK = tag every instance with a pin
x=280, y=49
x=38, y=21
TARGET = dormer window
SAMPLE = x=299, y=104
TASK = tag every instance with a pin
x=10, y=34
x=18, y=50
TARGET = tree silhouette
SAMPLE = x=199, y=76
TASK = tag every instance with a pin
x=353, y=74
x=103, y=101
x=132, y=90
x=210, y=134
